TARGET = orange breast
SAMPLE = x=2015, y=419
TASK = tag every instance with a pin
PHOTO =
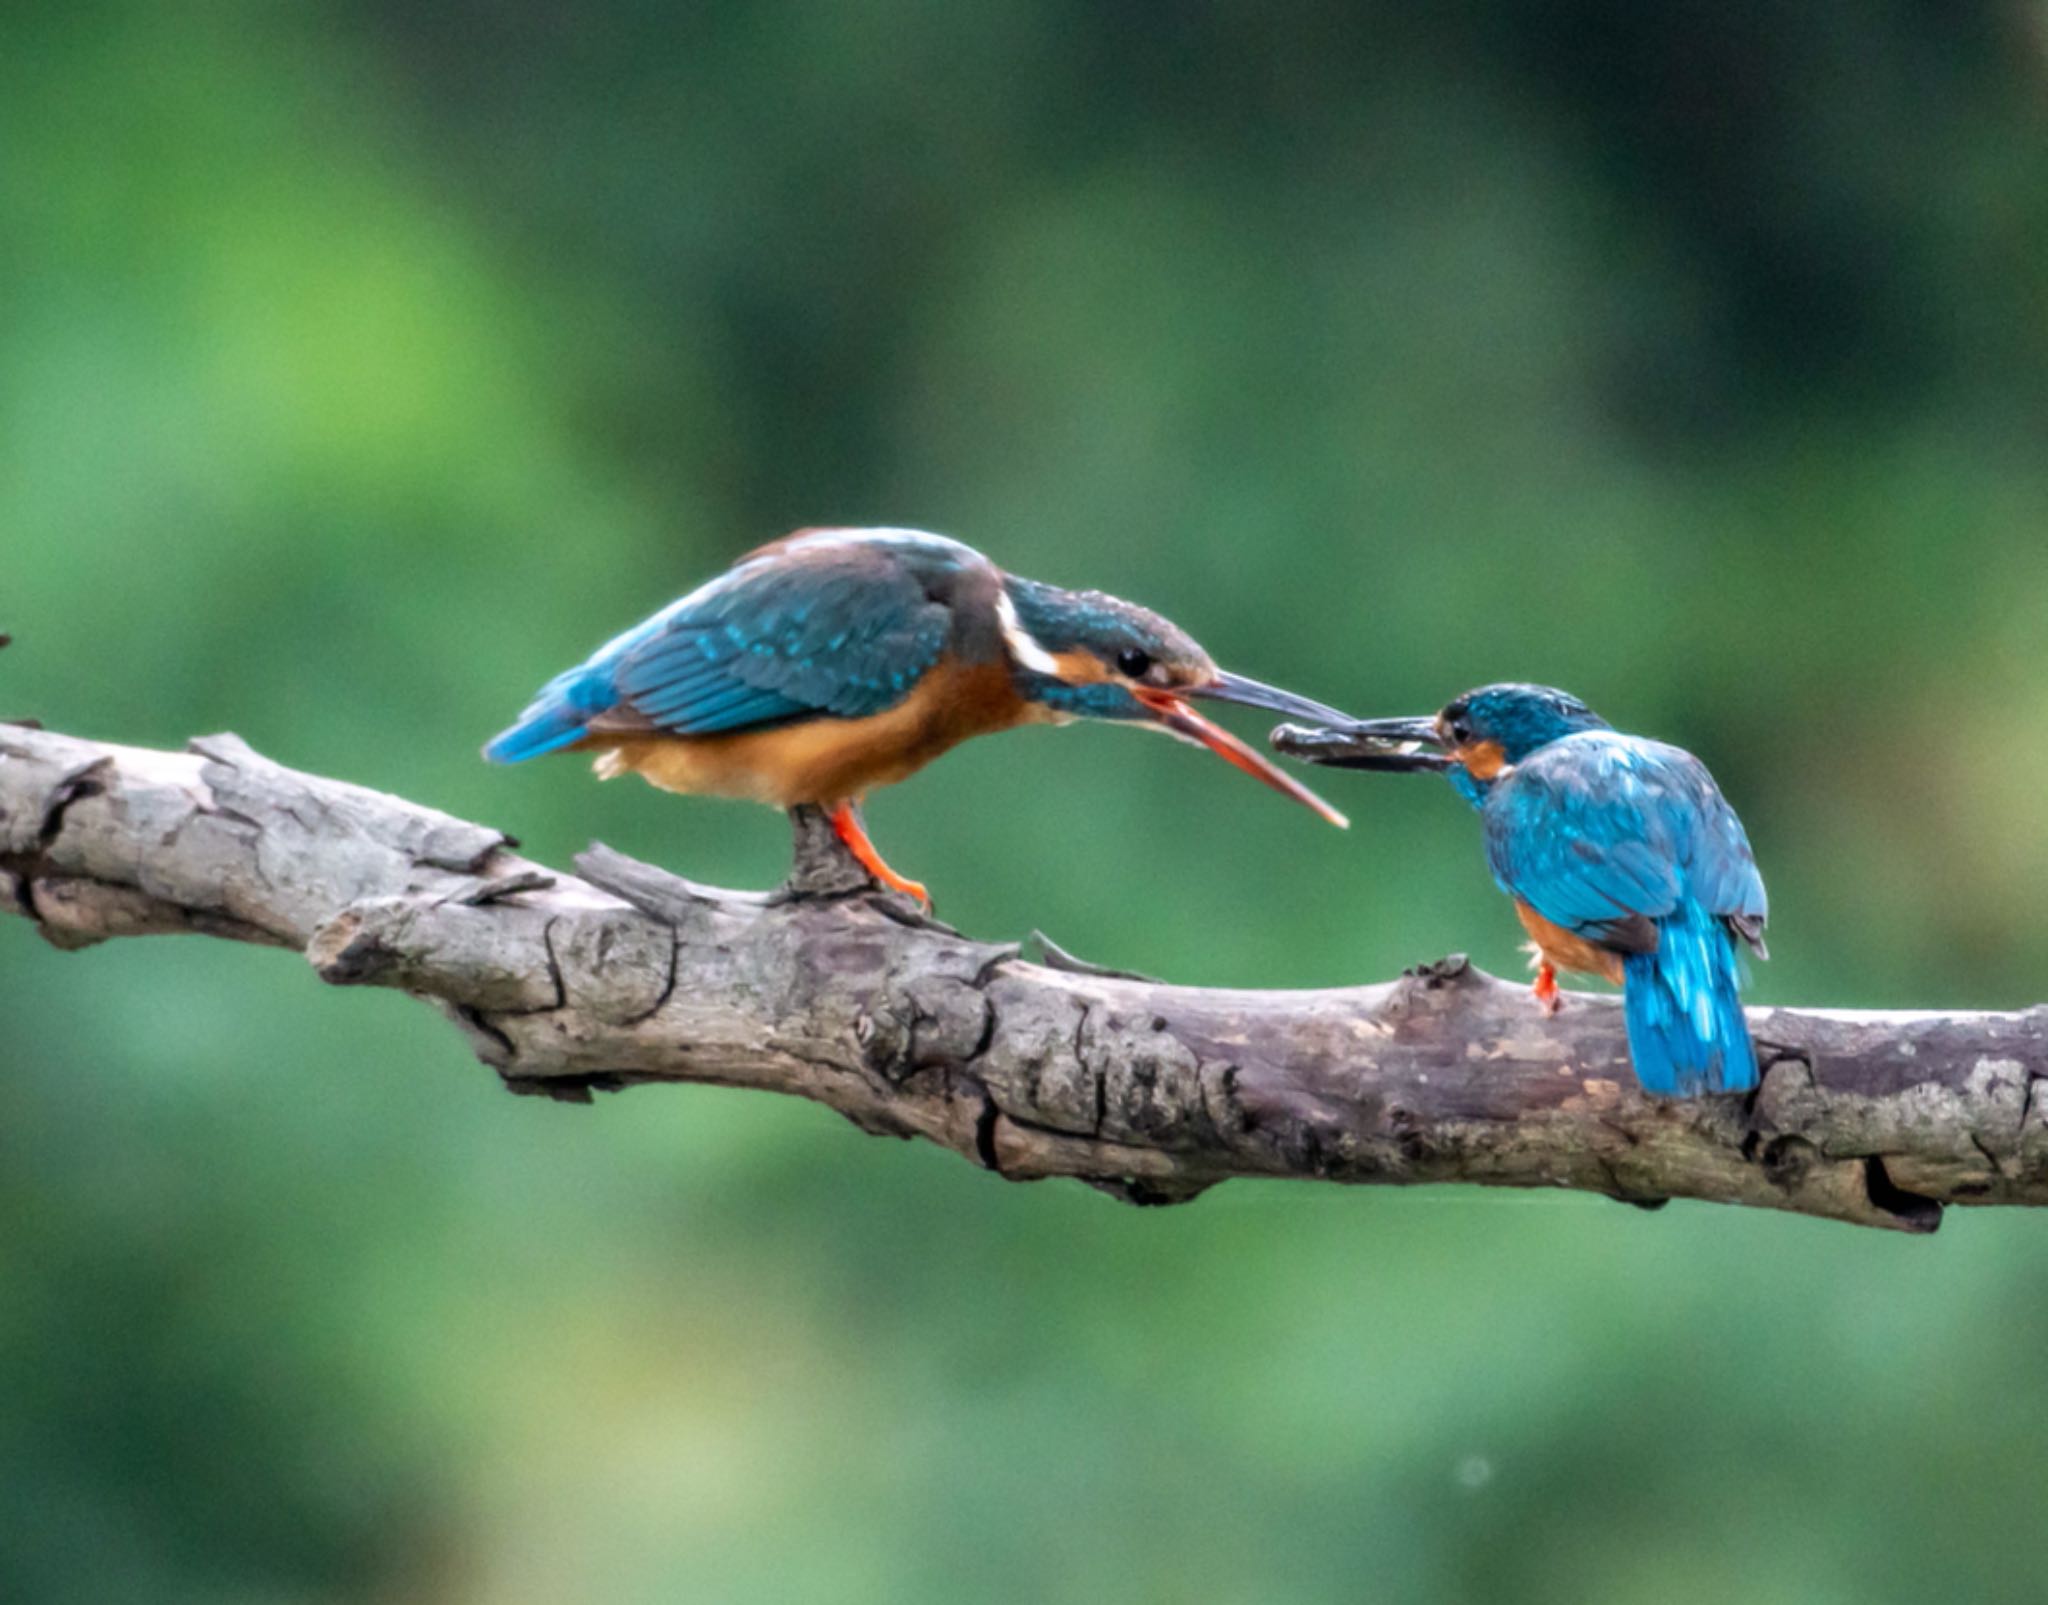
x=826, y=760
x=1567, y=949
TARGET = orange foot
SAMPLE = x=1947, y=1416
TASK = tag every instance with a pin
x=846, y=826
x=1546, y=988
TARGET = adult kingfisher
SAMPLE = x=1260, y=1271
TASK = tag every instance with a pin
x=1622, y=856
x=837, y=660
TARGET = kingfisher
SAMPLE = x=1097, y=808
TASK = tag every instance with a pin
x=1622, y=856
x=834, y=661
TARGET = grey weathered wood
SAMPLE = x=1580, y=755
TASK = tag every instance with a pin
x=835, y=992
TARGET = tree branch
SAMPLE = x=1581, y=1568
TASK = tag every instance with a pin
x=833, y=991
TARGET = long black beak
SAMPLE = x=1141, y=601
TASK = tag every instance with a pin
x=1389, y=746
x=1256, y=694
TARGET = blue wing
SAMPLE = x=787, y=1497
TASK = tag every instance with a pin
x=1602, y=832
x=816, y=625
x=1723, y=869
x=1631, y=844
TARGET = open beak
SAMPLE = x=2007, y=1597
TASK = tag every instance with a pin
x=1171, y=710
x=1390, y=746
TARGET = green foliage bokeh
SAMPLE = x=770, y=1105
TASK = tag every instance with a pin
x=361, y=364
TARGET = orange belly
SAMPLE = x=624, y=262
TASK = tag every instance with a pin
x=825, y=760
x=1567, y=950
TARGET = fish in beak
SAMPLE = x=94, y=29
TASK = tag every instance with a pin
x=1170, y=708
x=1389, y=746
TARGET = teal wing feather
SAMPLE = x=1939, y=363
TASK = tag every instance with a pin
x=1600, y=828
x=818, y=627
x=841, y=630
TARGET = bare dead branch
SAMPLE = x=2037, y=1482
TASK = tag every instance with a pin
x=833, y=991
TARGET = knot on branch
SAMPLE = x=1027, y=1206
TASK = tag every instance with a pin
x=821, y=864
x=1453, y=969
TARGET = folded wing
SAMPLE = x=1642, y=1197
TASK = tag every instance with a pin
x=1606, y=834
x=803, y=630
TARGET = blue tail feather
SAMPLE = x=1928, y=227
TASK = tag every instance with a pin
x=1686, y=1031
x=556, y=716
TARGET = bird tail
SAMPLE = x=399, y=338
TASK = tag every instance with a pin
x=1682, y=1002
x=556, y=717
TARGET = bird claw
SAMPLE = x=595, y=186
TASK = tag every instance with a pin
x=914, y=890
x=846, y=825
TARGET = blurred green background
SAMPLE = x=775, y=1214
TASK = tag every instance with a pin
x=362, y=363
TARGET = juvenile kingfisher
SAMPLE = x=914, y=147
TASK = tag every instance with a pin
x=1622, y=856
x=837, y=660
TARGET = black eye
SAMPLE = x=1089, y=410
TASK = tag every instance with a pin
x=1133, y=664
x=1461, y=729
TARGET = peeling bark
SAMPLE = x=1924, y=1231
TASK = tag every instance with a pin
x=835, y=991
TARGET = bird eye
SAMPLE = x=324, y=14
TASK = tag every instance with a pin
x=1133, y=664
x=1461, y=730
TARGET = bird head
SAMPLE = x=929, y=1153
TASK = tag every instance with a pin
x=1475, y=739
x=1084, y=655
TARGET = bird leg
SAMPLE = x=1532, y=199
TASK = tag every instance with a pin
x=845, y=817
x=1545, y=989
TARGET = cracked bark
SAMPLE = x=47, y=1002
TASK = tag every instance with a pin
x=828, y=989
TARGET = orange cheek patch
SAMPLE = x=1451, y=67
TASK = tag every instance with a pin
x=1484, y=759
x=1080, y=668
